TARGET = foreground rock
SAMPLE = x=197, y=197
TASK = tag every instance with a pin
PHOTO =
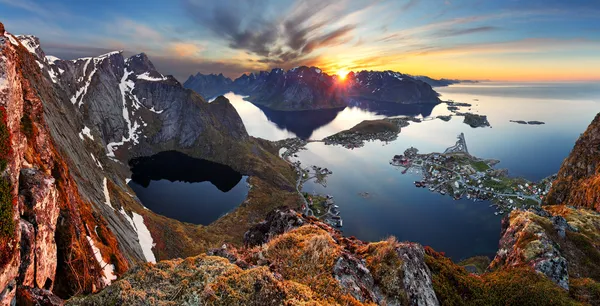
x=296, y=261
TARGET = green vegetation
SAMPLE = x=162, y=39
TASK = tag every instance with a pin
x=478, y=263
x=585, y=290
x=453, y=285
x=386, y=266
x=480, y=165
x=7, y=224
x=375, y=126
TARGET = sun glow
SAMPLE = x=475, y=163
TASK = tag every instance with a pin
x=342, y=73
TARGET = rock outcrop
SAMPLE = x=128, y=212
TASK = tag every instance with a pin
x=578, y=180
x=300, y=260
x=308, y=88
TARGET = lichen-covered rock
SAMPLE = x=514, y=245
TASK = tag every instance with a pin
x=558, y=241
x=417, y=276
x=525, y=241
x=356, y=279
x=276, y=223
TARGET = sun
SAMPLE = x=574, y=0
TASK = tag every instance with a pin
x=342, y=73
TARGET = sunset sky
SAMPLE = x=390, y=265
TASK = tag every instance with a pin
x=531, y=40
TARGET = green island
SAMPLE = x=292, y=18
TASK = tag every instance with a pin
x=457, y=173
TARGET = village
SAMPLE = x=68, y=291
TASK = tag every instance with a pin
x=458, y=174
x=321, y=207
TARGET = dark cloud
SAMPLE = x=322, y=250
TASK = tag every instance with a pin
x=457, y=32
x=279, y=37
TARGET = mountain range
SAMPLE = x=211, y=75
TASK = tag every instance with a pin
x=309, y=88
x=72, y=231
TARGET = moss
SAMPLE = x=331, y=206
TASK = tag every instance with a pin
x=589, y=258
x=7, y=222
x=585, y=290
x=479, y=263
x=386, y=266
x=453, y=285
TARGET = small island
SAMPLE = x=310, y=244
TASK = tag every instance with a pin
x=457, y=173
x=386, y=130
x=474, y=120
x=533, y=122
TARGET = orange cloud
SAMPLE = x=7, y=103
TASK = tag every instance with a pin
x=186, y=49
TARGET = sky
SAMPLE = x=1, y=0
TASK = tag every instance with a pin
x=503, y=40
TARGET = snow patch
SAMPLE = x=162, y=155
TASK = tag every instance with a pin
x=106, y=194
x=12, y=39
x=144, y=237
x=87, y=132
x=146, y=76
x=126, y=87
x=155, y=111
x=107, y=269
x=97, y=162
x=53, y=75
x=51, y=59
x=29, y=43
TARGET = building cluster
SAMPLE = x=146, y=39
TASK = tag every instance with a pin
x=461, y=175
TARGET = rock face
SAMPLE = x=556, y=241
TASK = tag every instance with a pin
x=578, y=180
x=209, y=85
x=67, y=132
x=300, y=261
x=557, y=241
x=524, y=241
x=308, y=88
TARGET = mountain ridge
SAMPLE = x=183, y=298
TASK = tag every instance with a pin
x=309, y=88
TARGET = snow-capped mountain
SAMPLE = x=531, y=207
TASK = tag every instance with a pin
x=69, y=130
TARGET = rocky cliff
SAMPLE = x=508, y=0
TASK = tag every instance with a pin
x=578, y=181
x=69, y=129
x=308, y=88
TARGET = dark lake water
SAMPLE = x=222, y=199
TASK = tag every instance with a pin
x=185, y=188
x=460, y=228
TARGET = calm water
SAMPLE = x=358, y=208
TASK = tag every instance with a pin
x=187, y=189
x=460, y=228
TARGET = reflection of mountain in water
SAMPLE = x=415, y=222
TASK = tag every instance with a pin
x=392, y=109
x=301, y=123
x=175, y=166
x=304, y=123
